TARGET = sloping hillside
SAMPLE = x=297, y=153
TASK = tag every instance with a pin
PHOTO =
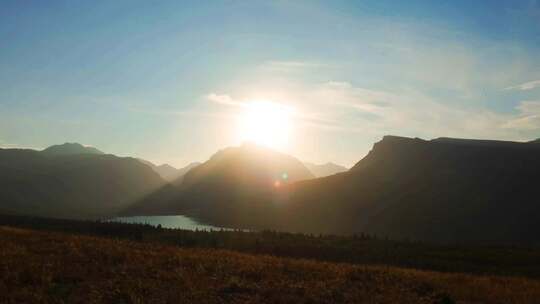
x=71, y=186
x=445, y=190
x=440, y=190
x=60, y=268
x=232, y=188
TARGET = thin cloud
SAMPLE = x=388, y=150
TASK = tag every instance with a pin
x=5, y=145
x=319, y=121
x=530, y=122
x=339, y=106
x=349, y=108
x=293, y=66
x=525, y=86
x=188, y=113
x=528, y=117
x=223, y=99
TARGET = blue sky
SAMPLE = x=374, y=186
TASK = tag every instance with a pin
x=162, y=80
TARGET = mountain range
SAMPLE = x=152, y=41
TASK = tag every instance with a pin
x=440, y=190
x=230, y=188
x=445, y=189
x=71, y=181
x=170, y=173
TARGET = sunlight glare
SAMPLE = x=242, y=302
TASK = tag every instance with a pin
x=266, y=123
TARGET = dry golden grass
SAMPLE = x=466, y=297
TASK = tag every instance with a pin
x=40, y=267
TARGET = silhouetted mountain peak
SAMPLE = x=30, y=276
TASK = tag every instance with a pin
x=444, y=189
x=63, y=181
x=70, y=149
x=229, y=185
x=397, y=151
x=168, y=172
x=250, y=163
x=390, y=147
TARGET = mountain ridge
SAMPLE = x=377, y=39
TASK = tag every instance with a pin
x=444, y=189
x=70, y=149
x=437, y=190
x=226, y=187
x=83, y=186
x=170, y=173
x=322, y=170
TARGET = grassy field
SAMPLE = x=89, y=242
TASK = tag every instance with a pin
x=51, y=267
x=499, y=260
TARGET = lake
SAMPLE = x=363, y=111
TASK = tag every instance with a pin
x=168, y=221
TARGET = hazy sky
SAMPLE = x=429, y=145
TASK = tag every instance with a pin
x=163, y=80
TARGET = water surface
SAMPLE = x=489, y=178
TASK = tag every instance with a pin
x=167, y=221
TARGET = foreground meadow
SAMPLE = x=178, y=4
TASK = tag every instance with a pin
x=50, y=267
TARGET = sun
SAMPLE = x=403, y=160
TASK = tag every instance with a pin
x=266, y=123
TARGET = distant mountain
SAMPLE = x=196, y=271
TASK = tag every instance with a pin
x=179, y=177
x=70, y=149
x=449, y=190
x=167, y=172
x=170, y=173
x=231, y=187
x=71, y=184
x=443, y=190
x=249, y=164
x=324, y=169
